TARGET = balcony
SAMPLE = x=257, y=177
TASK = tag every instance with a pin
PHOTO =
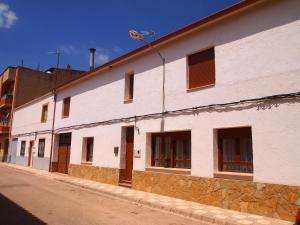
x=6, y=101
x=4, y=127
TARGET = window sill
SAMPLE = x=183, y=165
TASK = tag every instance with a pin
x=127, y=101
x=64, y=117
x=86, y=163
x=188, y=90
x=234, y=175
x=169, y=170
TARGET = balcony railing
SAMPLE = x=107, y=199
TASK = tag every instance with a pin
x=6, y=100
x=4, y=125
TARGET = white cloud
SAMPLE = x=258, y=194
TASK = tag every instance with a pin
x=7, y=16
x=101, y=58
x=117, y=49
x=69, y=49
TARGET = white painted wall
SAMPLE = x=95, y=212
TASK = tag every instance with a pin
x=27, y=119
x=34, y=138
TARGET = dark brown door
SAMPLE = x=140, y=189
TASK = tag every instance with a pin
x=30, y=152
x=6, y=146
x=129, y=152
x=64, y=152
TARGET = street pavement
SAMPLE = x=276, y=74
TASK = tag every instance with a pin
x=60, y=199
x=29, y=199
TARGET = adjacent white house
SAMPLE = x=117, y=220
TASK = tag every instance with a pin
x=217, y=122
x=32, y=132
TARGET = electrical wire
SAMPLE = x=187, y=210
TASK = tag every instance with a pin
x=189, y=110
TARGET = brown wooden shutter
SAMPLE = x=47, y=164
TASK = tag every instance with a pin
x=66, y=107
x=202, y=68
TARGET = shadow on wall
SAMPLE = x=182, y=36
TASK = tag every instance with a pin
x=11, y=213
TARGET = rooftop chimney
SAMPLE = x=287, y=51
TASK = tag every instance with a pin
x=92, y=58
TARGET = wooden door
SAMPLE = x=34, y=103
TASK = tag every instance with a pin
x=64, y=150
x=30, y=152
x=129, y=152
x=63, y=158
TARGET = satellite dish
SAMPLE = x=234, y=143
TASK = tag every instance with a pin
x=136, y=35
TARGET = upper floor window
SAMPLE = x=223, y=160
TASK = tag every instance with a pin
x=44, y=113
x=66, y=107
x=201, y=69
x=41, y=148
x=172, y=149
x=129, y=86
x=22, y=151
x=235, y=150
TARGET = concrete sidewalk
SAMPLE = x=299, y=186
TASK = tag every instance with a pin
x=204, y=213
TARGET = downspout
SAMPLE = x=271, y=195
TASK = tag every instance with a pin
x=52, y=131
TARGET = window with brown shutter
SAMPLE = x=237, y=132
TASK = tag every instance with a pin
x=201, y=69
x=66, y=107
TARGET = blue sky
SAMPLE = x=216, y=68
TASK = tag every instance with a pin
x=31, y=28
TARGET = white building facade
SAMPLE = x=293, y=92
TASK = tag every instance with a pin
x=229, y=134
x=32, y=132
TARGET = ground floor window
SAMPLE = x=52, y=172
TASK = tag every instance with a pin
x=88, y=146
x=235, y=150
x=22, y=151
x=171, y=149
x=41, y=148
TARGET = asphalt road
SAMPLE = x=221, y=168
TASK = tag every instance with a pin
x=30, y=199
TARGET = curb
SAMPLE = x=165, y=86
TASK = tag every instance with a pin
x=207, y=216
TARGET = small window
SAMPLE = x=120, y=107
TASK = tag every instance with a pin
x=22, y=151
x=65, y=139
x=44, y=113
x=66, y=107
x=41, y=148
x=201, y=69
x=172, y=149
x=87, y=152
x=235, y=150
x=129, y=86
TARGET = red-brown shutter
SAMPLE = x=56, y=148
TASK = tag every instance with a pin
x=66, y=107
x=202, y=68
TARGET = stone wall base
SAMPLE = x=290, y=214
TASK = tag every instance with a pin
x=95, y=173
x=272, y=200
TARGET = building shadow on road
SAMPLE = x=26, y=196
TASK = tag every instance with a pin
x=13, y=214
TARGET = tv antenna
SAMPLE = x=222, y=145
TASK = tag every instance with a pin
x=57, y=53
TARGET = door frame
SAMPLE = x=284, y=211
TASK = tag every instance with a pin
x=30, y=157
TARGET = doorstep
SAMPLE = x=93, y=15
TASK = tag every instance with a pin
x=125, y=183
x=204, y=213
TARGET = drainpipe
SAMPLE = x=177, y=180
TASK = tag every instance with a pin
x=52, y=131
